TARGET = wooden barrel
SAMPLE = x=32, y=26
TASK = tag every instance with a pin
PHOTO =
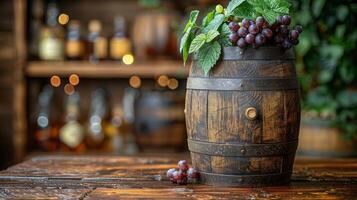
x=318, y=138
x=243, y=118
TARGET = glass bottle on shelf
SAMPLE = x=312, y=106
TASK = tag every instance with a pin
x=51, y=38
x=37, y=15
x=114, y=131
x=97, y=43
x=46, y=132
x=75, y=48
x=130, y=95
x=97, y=119
x=72, y=133
x=119, y=43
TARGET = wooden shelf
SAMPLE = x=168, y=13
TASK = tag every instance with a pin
x=106, y=69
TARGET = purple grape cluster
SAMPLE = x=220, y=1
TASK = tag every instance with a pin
x=259, y=32
x=183, y=174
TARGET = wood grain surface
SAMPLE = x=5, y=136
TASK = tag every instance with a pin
x=143, y=177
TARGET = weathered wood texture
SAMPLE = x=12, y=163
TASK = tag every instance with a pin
x=230, y=147
x=108, y=177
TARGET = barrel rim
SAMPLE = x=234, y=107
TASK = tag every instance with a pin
x=262, y=53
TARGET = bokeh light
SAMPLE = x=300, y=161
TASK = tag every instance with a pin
x=55, y=81
x=69, y=89
x=163, y=80
x=173, y=84
x=63, y=19
x=74, y=79
x=128, y=59
x=135, y=81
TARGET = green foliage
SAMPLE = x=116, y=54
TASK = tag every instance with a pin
x=207, y=40
x=209, y=55
x=233, y=5
x=270, y=9
x=326, y=58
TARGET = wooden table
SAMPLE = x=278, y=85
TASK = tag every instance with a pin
x=99, y=177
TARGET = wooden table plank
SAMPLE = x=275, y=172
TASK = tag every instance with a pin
x=97, y=177
x=42, y=193
x=335, y=191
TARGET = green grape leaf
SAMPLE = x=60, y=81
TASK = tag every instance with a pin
x=192, y=21
x=197, y=43
x=185, y=45
x=211, y=35
x=209, y=17
x=208, y=55
x=233, y=4
x=282, y=10
x=270, y=16
x=224, y=36
x=245, y=10
x=214, y=24
x=184, y=39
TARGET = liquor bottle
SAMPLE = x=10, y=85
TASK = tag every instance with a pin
x=116, y=131
x=75, y=48
x=46, y=133
x=72, y=132
x=97, y=43
x=130, y=95
x=119, y=43
x=51, y=37
x=37, y=15
x=98, y=115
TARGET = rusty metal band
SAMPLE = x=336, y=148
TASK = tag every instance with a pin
x=242, y=150
x=241, y=84
x=245, y=180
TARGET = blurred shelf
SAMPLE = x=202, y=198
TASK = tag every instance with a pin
x=106, y=69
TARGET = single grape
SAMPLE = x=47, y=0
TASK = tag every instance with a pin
x=174, y=177
x=260, y=39
x=193, y=173
x=298, y=28
x=283, y=29
x=219, y=9
x=294, y=42
x=233, y=26
x=286, y=20
x=233, y=37
x=249, y=39
x=294, y=34
x=170, y=172
x=286, y=44
x=265, y=24
x=182, y=165
x=253, y=29
x=245, y=23
x=180, y=177
x=260, y=21
x=278, y=39
x=182, y=181
x=279, y=20
x=241, y=43
x=267, y=33
x=242, y=32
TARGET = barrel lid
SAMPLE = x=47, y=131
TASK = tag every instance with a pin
x=262, y=53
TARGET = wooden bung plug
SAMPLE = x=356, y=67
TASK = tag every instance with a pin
x=251, y=113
